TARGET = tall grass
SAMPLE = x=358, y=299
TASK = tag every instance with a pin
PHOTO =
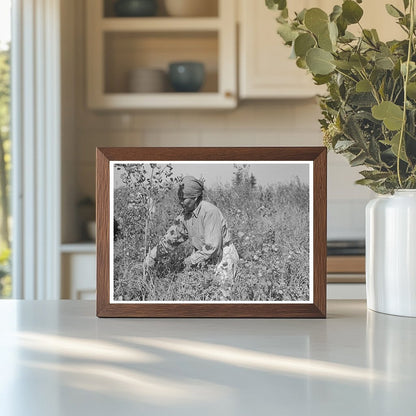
x=270, y=229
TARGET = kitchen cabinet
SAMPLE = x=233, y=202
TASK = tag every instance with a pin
x=346, y=277
x=118, y=45
x=78, y=262
x=265, y=70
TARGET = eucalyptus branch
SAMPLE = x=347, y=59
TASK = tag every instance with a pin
x=346, y=75
x=392, y=91
x=398, y=95
x=373, y=88
x=406, y=79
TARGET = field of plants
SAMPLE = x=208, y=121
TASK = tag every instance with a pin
x=269, y=225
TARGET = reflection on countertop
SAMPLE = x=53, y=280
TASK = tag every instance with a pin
x=355, y=362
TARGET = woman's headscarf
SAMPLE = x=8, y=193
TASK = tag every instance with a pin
x=190, y=187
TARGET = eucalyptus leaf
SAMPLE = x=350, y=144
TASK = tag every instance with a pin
x=374, y=150
x=316, y=20
x=394, y=145
x=382, y=89
x=321, y=79
x=303, y=43
x=335, y=91
x=374, y=174
x=287, y=33
x=276, y=4
x=347, y=37
x=345, y=65
x=343, y=145
x=358, y=61
x=375, y=35
x=342, y=25
x=391, y=114
x=325, y=42
x=358, y=160
x=411, y=90
x=363, y=86
x=362, y=100
x=354, y=132
x=281, y=19
x=301, y=63
x=369, y=36
x=411, y=124
x=301, y=15
x=319, y=61
x=336, y=12
x=365, y=182
x=405, y=21
x=351, y=11
x=412, y=67
x=393, y=11
x=385, y=50
x=384, y=62
x=333, y=32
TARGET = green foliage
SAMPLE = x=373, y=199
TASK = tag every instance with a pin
x=5, y=147
x=319, y=61
x=5, y=281
x=365, y=114
x=390, y=113
x=4, y=89
x=269, y=227
x=351, y=11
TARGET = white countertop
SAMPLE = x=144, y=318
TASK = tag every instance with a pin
x=57, y=358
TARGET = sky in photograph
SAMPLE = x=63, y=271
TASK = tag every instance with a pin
x=5, y=19
x=265, y=173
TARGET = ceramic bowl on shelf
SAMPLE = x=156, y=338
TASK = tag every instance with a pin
x=135, y=8
x=147, y=80
x=191, y=8
x=186, y=76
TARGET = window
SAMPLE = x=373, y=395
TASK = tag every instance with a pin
x=5, y=147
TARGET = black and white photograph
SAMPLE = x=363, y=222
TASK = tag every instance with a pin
x=211, y=231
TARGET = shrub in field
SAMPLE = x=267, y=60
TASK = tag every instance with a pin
x=270, y=227
x=145, y=187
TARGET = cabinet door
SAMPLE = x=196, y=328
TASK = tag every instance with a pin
x=266, y=71
x=78, y=276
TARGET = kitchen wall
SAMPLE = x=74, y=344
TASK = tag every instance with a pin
x=253, y=123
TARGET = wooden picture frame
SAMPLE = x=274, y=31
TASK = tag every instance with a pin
x=266, y=160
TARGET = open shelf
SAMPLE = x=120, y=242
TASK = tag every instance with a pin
x=160, y=24
x=127, y=51
x=116, y=46
x=210, y=9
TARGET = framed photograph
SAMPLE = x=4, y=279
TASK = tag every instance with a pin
x=211, y=232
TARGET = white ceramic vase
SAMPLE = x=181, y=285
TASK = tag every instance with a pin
x=391, y=253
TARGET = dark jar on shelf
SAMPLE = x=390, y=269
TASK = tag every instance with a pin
x=135, y=8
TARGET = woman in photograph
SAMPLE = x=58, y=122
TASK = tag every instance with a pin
x=204, y=225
